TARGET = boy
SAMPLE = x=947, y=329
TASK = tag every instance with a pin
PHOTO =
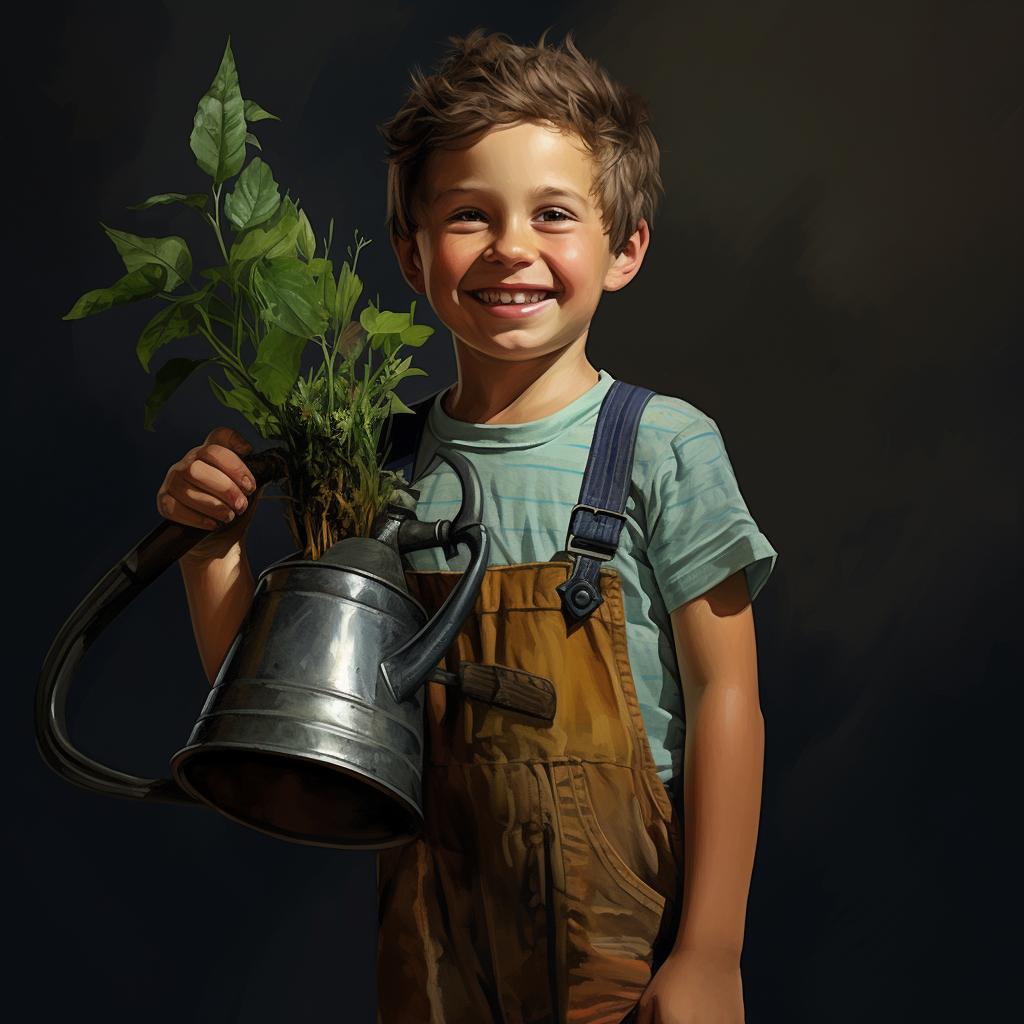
x=554, y=880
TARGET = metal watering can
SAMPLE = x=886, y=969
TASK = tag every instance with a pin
x=313, y=730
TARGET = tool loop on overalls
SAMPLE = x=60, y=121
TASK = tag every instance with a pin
x=509, y=688
x=596, y=521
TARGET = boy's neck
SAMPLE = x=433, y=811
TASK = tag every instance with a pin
x=493, y=391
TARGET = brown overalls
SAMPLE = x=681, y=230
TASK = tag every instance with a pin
x=539, y=886
x=543, y=887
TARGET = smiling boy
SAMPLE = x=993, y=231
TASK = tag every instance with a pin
x=555, y=880
x=547, y=884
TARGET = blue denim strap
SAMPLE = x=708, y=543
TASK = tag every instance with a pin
x=406, y=431
x=595, y=523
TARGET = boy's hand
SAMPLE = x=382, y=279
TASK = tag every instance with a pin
x=208, y=488
x=694, y=988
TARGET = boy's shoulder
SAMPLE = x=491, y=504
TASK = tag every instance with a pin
x=668, y=424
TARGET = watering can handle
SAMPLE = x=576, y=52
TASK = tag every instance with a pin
x=156, y=551
x=407, y=669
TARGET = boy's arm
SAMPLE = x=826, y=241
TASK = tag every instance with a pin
x=722, y=770
x=219, y=592
x=212, y=487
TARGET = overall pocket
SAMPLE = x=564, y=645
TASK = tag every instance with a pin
x=615, y=825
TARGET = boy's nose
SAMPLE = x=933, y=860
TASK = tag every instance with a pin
x=512, y=244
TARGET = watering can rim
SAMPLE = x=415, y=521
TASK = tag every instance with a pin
x=310, y=563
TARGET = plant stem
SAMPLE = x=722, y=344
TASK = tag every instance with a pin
x=330, y=376
x=215, y=219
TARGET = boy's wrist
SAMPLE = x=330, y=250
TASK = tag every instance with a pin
x=201, y=558
x=716, y=959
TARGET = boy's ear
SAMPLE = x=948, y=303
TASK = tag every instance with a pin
x=626, y=265
x=409, y=260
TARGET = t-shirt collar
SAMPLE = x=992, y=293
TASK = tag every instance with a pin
x=517, y=435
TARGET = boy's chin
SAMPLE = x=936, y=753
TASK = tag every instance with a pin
x=509, y=348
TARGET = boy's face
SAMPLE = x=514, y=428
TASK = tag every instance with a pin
x=513, y=213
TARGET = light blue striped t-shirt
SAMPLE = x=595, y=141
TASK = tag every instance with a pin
x=687, y=527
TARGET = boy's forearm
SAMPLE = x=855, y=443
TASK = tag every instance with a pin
x=722, y=773
x=219, y=592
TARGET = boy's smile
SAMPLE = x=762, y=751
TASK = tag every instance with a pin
x=510, y=248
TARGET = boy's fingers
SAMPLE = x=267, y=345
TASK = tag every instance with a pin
x=228, y=463
x=211, y=484
x=171, y=508
x=213, y=481
x=187, y=492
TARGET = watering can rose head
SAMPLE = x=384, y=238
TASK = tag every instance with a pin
x=272, y=310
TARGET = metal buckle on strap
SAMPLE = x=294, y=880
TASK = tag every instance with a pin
x=602, y=552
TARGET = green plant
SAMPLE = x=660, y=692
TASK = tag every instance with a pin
x=271, y=297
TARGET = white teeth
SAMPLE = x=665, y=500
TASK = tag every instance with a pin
x=509, y=298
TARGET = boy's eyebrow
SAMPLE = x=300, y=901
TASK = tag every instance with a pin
x=544, y=192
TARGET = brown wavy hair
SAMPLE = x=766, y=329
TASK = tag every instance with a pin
x=487, y=80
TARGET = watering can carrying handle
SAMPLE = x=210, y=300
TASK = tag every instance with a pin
x=157, y=551
x=407, y=669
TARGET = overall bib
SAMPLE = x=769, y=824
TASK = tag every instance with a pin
x=543, y=887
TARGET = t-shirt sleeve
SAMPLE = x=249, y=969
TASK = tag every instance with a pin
x=699, y=529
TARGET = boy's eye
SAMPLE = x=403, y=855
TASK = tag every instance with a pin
x=552, y=216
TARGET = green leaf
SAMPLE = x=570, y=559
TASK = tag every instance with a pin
x=178, y=320
x=286, y=209
x=277, y=364
x=368, y=319
x=291, y=295
x=171, y=253
x=216, y=274
x=236, y=379
x=173, y=373
x=391, y=323
x=306, y=239
x=254, y=112
x=318, y=265
x=216, y=306
x=347, y=294
x=402, y=370
x=218, y=135
x=253, y=141
x=197, y=200
x=241, y=399
x=328, y=289
x=417, y=334
x=255, y=197
x=397, y=405
x=266, y=423
x=140, y=284
x=389, y=340
x=267, y=241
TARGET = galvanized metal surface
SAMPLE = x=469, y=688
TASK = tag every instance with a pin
x=313, y=731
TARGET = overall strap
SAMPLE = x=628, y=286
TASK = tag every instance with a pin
x=596, y=521
x=405, y=434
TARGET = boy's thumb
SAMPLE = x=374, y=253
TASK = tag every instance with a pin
x=229, y=439
x=240, y=444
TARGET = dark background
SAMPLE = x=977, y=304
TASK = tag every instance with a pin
x=834, y=277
